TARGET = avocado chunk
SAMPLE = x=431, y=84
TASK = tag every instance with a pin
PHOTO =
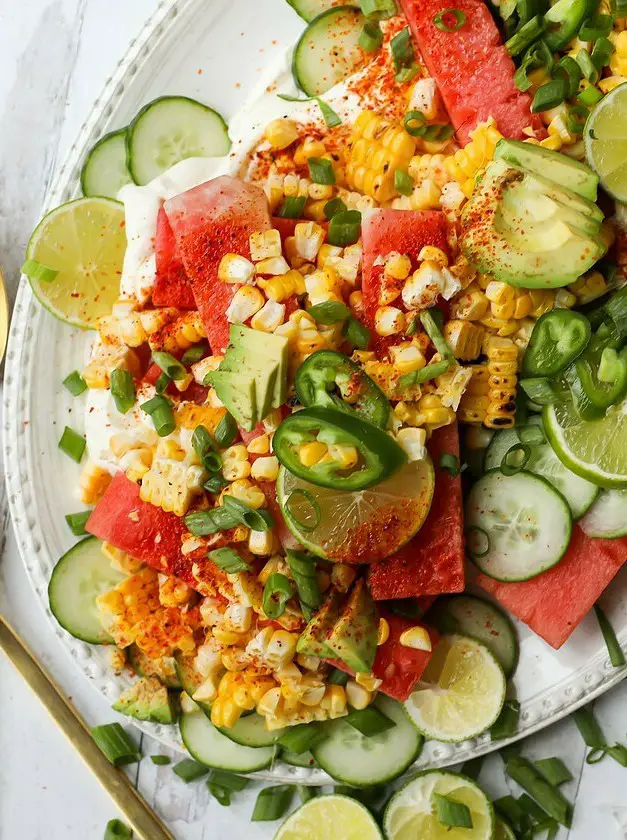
x=164, y=668
x=148, y=700
x=275, y=348
x=312, y=639
x=190, y=680
x=562, y=170
x=353, y=638
x=262, y=368
x=238, y=392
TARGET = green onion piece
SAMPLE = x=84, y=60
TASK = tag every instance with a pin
x=371, y=37
x=430, y=371
x=549, y=95
x=532, y=809
x=117, y=830
x=434, y=332
x=506, y=724
x=75, y=383
x=226, y=431
x=160, y=760
x=406, y=74
x=595, y=756
x=256, y=520
x=589, y=728
x=302, y=737
x=509, y=751
x=439, y=132
x=450, y=463
x=331, y=119
x=304, y=525
x=508, y=808
x=554, y=803
x=220, y=793
x=293, y=207
x=356, y=333
x=202, y=523
x=554, y=770
x=526, y=35
x=344, y=228
x=415, y=123
x=160, y=410
x=161, y=385
x=619, y=753
x=539, y=390
x=413, y=326
x=122, y=390
x=205, y=449
x=532, y=435
x=451, y=813
x=116, y=744
x=221, y=785
x=369, y=721
x=337, y=677
x=307, y=792
x=215, y=483
x=472, y=768
x=72, y=444
x=77, y=521
x=475, y=529
x=617, y=657
x=402, y=50
x=570, y=71
x=272, y=803
x=189, y=770
x=378, y=9
x=169, y=365
x=333, y=207
x=303, y=571
x=510, y=464
x=601, y=52
x=229, y=560
x=448, y=25
x=276, y=593
x=618, y=8
x=588, y=68
x=598, y=26
x=576, y=120
x=194, y=354
x=589, y=96
x=37, y=271
x=329, y=312
x=403, y=182
x=321, y=170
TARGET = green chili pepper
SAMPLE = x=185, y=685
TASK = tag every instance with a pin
x=603, y=380
x=329, y=379
x=558, y=338
x=379, y=454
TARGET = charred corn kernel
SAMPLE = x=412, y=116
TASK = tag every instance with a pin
x=334, y=701
x=345, y=456
x=269, y=702
x=500, y=326
x=433, y=254
x=501, y=295
x=321, y=192
x=589, y=287
x=242, y=698
x=409, y=413
x=247, y=301
x=270, y=316
x=424, y=98
x=281, y=133
x=383, y=632
x=356, y=301
x=282, y=287
x=225, y=712
x=174, y=592
x=295, y=187
x=434, y=412
x=452, y=198
x=307, y=149
x=412, y=441
x=323, y=285
x=425, y=196
x=138, y=463
x=226, y=637
x=416, y=638
x=432, y=167
x=610, y=82
x=235, y=463
x=93, y=482
x=311, y=695
x=235, y=268
x=314, y=210
x=376, y=149
x=264, y=245
x=388, y=320
x=476, y=155
x=258, y=686
x=291, y=254
x=389, y=291
x=281, y=650
x=259, y=445
x=564, y=299
x=247, y=492
x=464, y=338
x=97, y=373
x=261, y=543
x=274, y=189
x=171, y=485
x=407, y=358
x=357, y=696
x=342, y=576
x=179, y=334
x=120, y=559
x=309, y=663
x=308, y=239
x=618, y=59
x=311, y=453
x=237, y=618
x=475, y=400
x=328, y=252
x=265, y=469
x=397, y=266
x=273, y=266
x=502, y=366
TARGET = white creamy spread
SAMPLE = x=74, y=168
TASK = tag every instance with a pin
x=103, y=420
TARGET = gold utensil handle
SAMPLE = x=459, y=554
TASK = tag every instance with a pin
x=143, y=820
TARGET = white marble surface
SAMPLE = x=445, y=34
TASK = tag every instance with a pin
x=56, y=54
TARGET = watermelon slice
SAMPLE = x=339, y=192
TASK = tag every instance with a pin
x=171, y=285
x=553, y=603
x=471, y=67
x=209, y=221
x=432, y=563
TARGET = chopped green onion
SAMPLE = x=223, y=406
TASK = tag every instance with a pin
x=619, y=753
x=215, y=483
x=321, y=170
x=448, y=25
x=589, y=96
x=75, y=383
x=189, y=770
x=430, y=371
x=330, y=117
x=371, y=37
x=39, y=272
x=303, y=571
x=337, y=677
x=598, y=26
x=413, y=326
x=451, y=813
x=272, y=803
x=226, y=431
x=570, y=71
x=532, y=808
x=194, y=354
x=221, y=785
x=77, y=521
x=506, y=724
x=618, y=8
x=378, y=9
x=356, y=333
x=576, y=120
x=229, y=560
x=329, y=312
x=617, y=657
x=554, y=803
x=475, y=529
x=472, y=768
x=72, y=444
x=526, y=35
x=406, y=74
x=256, y=520
x=116, y=744
x=526, y=9
x=549, y=95
x=122, y=390
x=532, y=435
x=509, y=751
x=204, y=447
x=369, y=721
x=276, y=593
x=402, y=50
x=554, y=770
x=293, y=207
x=333, y=207
x=508, y=464
x=537, y=55
x=450, y=463
x=432, y=327
x=302, y=737
x=438, y=133
x=344, y=228
x=601, y=52
x=160, y=760
x=202, y=523
x=539, y=390
x=117, y=830
x=403, y=182
x=415, y=123
x=160, y=411
x=162, y=383
x=307, y=792
x=508, y=808
x=589, y=728
x=169, y=365
x=588, y=69
x=309, y=497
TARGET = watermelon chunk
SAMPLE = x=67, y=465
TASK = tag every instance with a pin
x=171, y=285
x=553, y=603
x=432, y=563
x=472, y=69
x=209, y=221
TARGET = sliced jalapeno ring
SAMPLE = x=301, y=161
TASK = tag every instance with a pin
x=604, y=383
x=558, y=338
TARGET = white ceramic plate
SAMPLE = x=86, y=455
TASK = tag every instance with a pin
x=214, y=51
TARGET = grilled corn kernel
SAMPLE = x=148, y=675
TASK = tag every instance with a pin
x=407, y=358
x=328, y=252
x=357, y=696
x=416, y=638
x=388, y=320
x=273, y=266
x=259, y=445
x=269, y=703
x=307, y=149
x=235, y=463
x=413, y=441
x=270, y=316
x=308, y=239
x=383, y=632
x=311, y=453
x=264, y=245
x=345, y=456
x=281, y=650
x=265, y=469
x=261, y=543
x=472, y=306
x=247, y=301
x=334, y=701
x=247, y=492
x=281, y=133
x=588, y=287
x=464, y=338
x=397, y=266
x=225, y=712
x=234, y=268
x=342, y=576
x=93, y=482
x=283, y=286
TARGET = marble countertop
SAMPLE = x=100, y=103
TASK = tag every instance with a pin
x=56, y=55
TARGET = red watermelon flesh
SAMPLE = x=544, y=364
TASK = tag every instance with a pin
x=553, y=603
x=472, y=69
x=171, y=285
x=432, y=563
x=209, y=221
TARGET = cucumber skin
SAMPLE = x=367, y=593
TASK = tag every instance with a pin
x=85, y=170
x=193, y=752
x=225, y=730
x=297, y=6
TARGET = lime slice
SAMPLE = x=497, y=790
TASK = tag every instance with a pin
x=411, y=814
x=83, y=241
x=361, y=526
x=605, y=141
x=502, y=831
x=328, y=818
x=594, y=449
x=461, y=692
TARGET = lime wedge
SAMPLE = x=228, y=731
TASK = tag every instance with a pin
x=361, y=526
x=328, y=818
x=461, y=692
x=593, y=449
x=411, y=814
x=605, y=141
x=82, y=243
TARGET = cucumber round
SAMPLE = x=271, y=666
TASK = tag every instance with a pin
x=105, y=171
x=469, y=615
x=305, y=759
x=309, y=9
x=208, y=745
x=607, y=518
x=164, y=668
x=517, y=526
x=170, y=129
x=250, y=731
x=80, y=576
x=355, y=760
x=328, y=51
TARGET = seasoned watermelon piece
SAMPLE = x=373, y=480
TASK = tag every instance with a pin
x=472, y=69
x=193, y=393
x=209, y=221
x=553, y=603
x=171, y=285
x=432, y=563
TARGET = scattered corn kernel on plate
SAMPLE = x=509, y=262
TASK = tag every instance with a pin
x=315, y=353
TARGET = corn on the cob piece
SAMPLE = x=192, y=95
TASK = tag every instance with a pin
x=502, y=356
x=466, y=163
x=474, y=403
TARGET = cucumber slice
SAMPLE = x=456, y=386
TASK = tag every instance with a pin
x=170, y=129
x=607, y=518
x=208, y=745
x=350, y=757
x=518, y=526
x=480, y=619
x=105, y=171
x=305, y=759
x=309, y=9
x=79, y=577
x=164, y=668
x=250, y=731
x=328, y=50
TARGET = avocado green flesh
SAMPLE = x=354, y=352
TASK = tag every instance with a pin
x=264, y=371
x=148, y=700
x=353, y=638
x=273, y=347
x=238, y=392
x=312, y=641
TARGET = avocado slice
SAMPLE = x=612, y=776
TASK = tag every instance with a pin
x=164, y=668
x=353, y=638
x=190, y=679
x=312, y=639
x=148, y=699
x=257, y=344
x=265, y=371
x=238, y=392
x=561, y=169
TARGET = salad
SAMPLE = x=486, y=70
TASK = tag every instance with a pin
x=374, y=328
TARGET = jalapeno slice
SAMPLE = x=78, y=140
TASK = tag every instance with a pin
x=331, y=380
x=378, y=454
x=558, y=338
